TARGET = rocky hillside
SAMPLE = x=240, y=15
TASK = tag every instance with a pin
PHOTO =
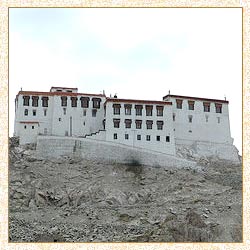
x=74, y=200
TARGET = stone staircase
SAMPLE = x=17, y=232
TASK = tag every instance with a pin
x=99, y=135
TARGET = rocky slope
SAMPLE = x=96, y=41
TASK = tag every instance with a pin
x=74, y=200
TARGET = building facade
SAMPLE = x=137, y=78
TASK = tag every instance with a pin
x=153, y=125
x=200, y=119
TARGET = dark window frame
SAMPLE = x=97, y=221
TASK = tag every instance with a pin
x=35, y=101
x=138, y=124
x=138, y=110
x=45, y=101
x=116, y=123
x=159, y=125
x=64, y=101
x=73, y=101
x=96, y=102
x=179, y=103
x=84, y=101
x=26, y=100
x=128, y=123
x=149, y=124
x=149, y=110
x=159, y=110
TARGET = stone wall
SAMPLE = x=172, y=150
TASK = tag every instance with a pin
x=52, y=146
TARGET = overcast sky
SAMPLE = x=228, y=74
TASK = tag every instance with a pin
x=137, y=53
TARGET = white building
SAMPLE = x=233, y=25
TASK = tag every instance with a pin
x=159, y=126
x=61, y=112
x=140, y=123
x=200, y=119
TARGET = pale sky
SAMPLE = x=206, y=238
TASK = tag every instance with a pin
x=138, y=53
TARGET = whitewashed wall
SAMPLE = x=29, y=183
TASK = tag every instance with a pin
x=153, y=144
x=199, y=129
x=56, y=122
x=81, y=125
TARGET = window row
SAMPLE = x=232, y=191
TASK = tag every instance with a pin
x=34, y=99
x=206, y=106
x=84, y=102
x=138, y=124
x=190, y=118
x=138, y=109
x=94, y=112
x=32, y=127
x=64, y=101
x=139, y=137
x=26, y=112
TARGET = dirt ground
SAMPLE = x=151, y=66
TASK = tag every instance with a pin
x=74, y=200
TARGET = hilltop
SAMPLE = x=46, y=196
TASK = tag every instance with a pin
x=75, y=200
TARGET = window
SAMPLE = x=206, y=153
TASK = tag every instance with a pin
x=96, y=102
x=218, y=108
x=45, y=101
x=64, y=111
x=138, y=137
x=149, y=124
x=148, y=137
x=206, y=106
x=206, y=118
x=59, y=90
x=190, y=131
x=138, y=124
x=32, y=127
x=159, y=110
x=45, y=112
x=128, y=123
x=59, y=119
x=84, y=102
x=179, y=104
x=126, y=136
x=191, y=105
x=64, y=101
x=73, y=101
x=84, y=112
x=158, y=138
x=26, y=112
x=167, y=138
x=116, y=109
x=115, y=136
x=116, y=123
x=35, y=101
x=25, y=126
x=70, y=91
x=190, y=118
x=26, y=100
x=218, y=119
x=138, y=109
x=34, y=112
x=174, y=117
x=94, y=111
x=149, y=110
x=127, y=109
x=159, y=125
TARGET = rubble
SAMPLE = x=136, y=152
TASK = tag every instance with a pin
x=75, y=200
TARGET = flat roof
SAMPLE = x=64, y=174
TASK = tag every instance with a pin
x=63, y=88
x=138, y=101
x=195, y=98
x=56, y=93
